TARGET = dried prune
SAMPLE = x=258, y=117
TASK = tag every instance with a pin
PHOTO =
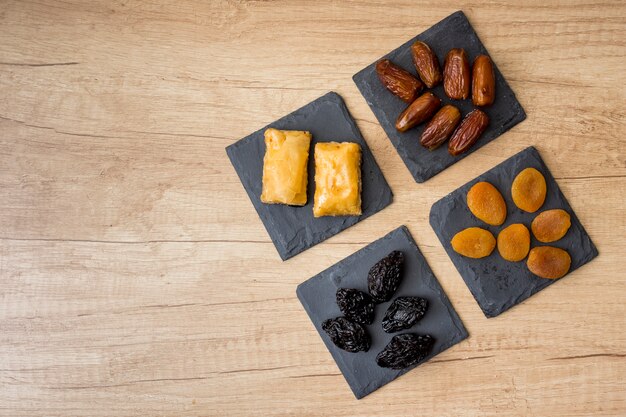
x=551, y=225
x=356, y=305
x=405, y=350
x=485, y=202
x=474, y=242
x=529, y=190
x=403, y=313
x=514, y=242
x=548, y=262
x=384, y=277
x=347, y=335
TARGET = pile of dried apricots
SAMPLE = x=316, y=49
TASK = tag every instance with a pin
x=529, y=193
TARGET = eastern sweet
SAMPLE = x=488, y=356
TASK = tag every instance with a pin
x=285, y=167
x=474, y=242
x=551, y=225
x=514, y=242
x=337, y=179
x=548, y=262
x=529, y=190
x=486, y=203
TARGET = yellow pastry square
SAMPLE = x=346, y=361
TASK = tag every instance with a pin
x=285, y=167
x=337, y=179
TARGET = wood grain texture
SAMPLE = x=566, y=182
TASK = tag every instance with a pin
x=136, y=278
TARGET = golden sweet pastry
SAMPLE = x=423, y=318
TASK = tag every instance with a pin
x=285, y=167
x=337, y=179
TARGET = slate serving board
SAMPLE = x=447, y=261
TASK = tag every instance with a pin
x=455, y=31
x=497, y=284
x=294, y=229
x=441, y=321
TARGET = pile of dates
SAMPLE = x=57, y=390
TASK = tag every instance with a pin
x=349, y=332
x=458, y=79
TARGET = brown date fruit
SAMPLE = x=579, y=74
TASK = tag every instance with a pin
x=400, y=82
x=440, y=127
x=456, y=74
x=419, y=111
x=468, y=132
x=483, y=81
x=426, y=64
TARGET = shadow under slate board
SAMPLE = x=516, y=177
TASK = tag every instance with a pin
x=455, y=31
x=318, y=297
x=293, y=229
x=495, y=283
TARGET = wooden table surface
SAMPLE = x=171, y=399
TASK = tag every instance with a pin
x=136, y=278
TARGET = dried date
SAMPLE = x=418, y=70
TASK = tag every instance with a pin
x=400, y=82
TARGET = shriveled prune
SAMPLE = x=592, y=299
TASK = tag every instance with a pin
x=347, y=335
x=403, y=313
x=356, y=305
x=405, y=350
x=384, y=277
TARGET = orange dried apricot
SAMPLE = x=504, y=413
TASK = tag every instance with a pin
x=551, y=225
x=548, y=262
x=529, y=190
x=514, y=242
x=485, y=202
x=474, y=242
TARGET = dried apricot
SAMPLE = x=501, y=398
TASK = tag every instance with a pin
x=548, y=262
x=474, y=242
x=529, y=190
x=514, y=242
x=551, y=225
x=485, y=202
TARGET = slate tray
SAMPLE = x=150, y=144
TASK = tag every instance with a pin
x=441, y=320
x=497, y=284
x=454, y=31
x=294, y=229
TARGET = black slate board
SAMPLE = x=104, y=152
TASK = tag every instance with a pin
x=454, y=31
x=294, y=229
x=441, y=320
x=497, y=284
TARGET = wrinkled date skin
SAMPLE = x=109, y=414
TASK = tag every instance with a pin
x=468, y=132
x=347, y=335
x=426, y=64
x=403, y=313
x=398, y=81
x=384, y=277
x=356, y=305
x=440, y=127
x=483, y=81
x=419, y=111
x=405, y=350
x=456, y=74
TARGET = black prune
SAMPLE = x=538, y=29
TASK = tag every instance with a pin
x=347, y=335
x=384, y=277
x=403, y=313
x=405, y=350
x=356, y=305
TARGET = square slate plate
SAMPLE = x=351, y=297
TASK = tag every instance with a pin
x=454, y=31
x=294, y=229
x=496, y=284
x=441, y=320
